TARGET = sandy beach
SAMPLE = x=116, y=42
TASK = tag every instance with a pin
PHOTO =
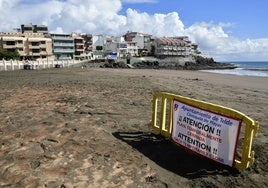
x=90, y=127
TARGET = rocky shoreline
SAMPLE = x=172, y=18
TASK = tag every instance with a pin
x=189, y=63
x=179, y=63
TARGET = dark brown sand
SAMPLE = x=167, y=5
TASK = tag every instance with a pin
x=90, y=128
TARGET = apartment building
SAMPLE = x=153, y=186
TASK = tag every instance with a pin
x=98, y=42
x=38, y=47
x=13, y=42
x=88, y=45
x=121, y=47
x=144, y=42
x=132, y=49
x=174, y=46
x=79, y=51
x=79, y=47
x=29, y=28
x=82, y=46
x=28, y=45
x=63, y=46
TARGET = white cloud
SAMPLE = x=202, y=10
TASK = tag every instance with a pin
x=213, y=40
x=103, y=17
x=156, y=24
x=93, y=16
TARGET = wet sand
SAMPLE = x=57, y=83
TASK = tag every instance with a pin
x=90, y=128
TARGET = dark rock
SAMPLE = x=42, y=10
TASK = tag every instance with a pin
x=197, y=62
x=35, y=164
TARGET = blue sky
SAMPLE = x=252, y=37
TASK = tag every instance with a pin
x=248, y=17
x=227, y=30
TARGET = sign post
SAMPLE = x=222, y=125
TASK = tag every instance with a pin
x=207, y=133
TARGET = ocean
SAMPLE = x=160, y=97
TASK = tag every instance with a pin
x=245, y=68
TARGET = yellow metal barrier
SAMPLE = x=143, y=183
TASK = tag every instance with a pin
x=162, y=121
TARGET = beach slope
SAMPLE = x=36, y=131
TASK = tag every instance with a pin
x=91, y=128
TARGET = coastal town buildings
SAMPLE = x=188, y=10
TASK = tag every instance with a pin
x=35, y=42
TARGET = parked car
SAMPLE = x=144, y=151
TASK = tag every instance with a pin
x=28, y=66
x=58, y=66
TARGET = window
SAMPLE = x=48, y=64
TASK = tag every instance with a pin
x=35, y=50
x=35, y=43
x=98, y=47
x=122, y=45
x=10, y=43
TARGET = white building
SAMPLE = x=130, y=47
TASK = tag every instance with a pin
x=143, y=41
x=98, y=42
x=121, y=47
x=132, y=49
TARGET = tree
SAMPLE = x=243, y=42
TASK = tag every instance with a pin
x=9, y=55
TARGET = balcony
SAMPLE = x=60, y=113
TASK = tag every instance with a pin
x=44, y=53
x=34, y=47
x=89, y=43
x=79, y=49
x=78, y=53
x=36, y=54
x=63, y=50
x=5, y=46
x=79, y=45
x=88, y=49
x=43, y=45
x=79, y=42
x=62, y=38
x=63, y=44
x=19, y=45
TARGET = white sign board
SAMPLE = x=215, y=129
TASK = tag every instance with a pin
x=206, y=133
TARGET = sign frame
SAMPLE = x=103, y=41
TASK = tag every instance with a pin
x=193, y=135
x=162, y=123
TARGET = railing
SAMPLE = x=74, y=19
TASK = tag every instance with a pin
x=163, y=123
x=63, y=44
x=17, y=65
x=67, y=50
x=65, y=38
